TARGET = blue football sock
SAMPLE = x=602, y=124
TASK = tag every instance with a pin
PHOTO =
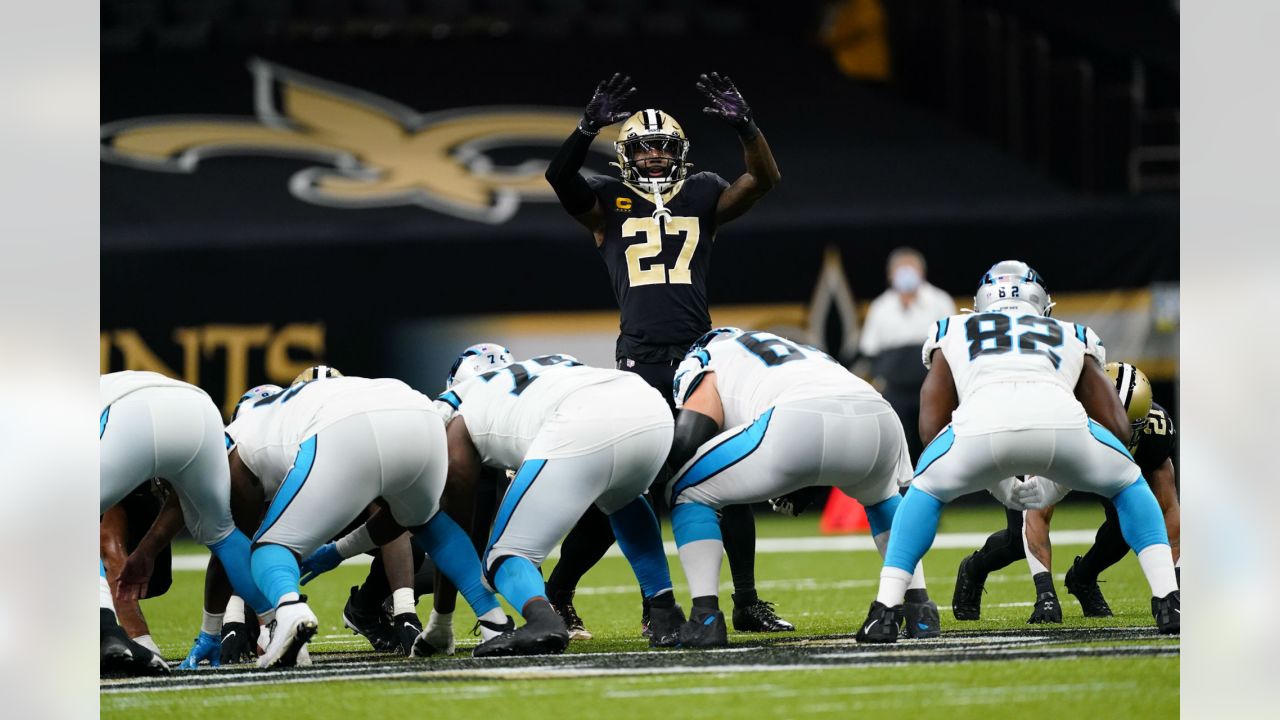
x=519, y=581
x=880, y=515
x=234, y=554
x=275, y=571
x=914, y=526
x=1141, y=521
x=451, y=550
x=636, y=528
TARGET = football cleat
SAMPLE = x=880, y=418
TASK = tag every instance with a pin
x=569, y=614
x=664, y=626
x=705, y=629
x=881, y=625
x=115, y=652
x=759, y=617
x=1047, y=609
x=405, y=629
x=966, y=601
x=1168, y=613
x=372, y=625
x=543, y=633
x=922, y=620
x=1087, y=592
x=293, y=626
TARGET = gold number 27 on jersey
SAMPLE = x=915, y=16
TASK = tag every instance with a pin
x=657, y=273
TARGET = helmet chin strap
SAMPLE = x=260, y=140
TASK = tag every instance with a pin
x=660, y=212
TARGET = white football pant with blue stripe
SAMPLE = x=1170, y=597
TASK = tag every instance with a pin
x=603, y=446
x=175, y=433
x=855, y=444
x=398, y=455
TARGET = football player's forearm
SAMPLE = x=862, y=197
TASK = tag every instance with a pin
x=562, y=173
x=217, y=587
x=165, y=528
x=397, y=562
x=1166, y=492
x=760, y=164
x=1035, y=528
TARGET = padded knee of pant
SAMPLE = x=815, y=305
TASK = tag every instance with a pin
x=691, y=522
x=491, y=569
x=880, y=515
x=1141, y=520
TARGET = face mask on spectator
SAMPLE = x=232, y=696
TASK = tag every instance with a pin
x=906, y=279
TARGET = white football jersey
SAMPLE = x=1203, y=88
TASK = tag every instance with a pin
x=758, y=370
x=1033, y=361
x=116, y=385
x=269, y=431
x=504, y=409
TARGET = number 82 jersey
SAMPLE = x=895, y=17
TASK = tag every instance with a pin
x=1033, y=361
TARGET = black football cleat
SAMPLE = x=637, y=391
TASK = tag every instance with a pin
x=1047, y=609
x=923, y=621
x=372, y=625
x=1168, y=613
x=1087, y=592
x=405, y=629
x=759, y=617
x=881, y=625
x=664, y=626
x=115, y=653
x=543, y=633
x=966, y=601
x=705, y=629
x=569, y=614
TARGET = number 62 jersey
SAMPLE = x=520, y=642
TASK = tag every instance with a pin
x=1013, y=371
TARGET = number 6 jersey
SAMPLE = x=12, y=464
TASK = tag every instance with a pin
x=1013, y=371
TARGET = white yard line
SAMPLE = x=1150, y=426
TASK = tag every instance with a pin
x=839, y=543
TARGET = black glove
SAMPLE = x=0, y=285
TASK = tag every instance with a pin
x=606, y=104
x=239, y=642
x=796, y=501
x=726, y=103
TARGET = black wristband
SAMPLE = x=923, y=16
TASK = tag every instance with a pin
x=586, y=127
x=749, y=131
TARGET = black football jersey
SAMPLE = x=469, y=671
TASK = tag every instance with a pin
x=659, y=266
x=1157, y=441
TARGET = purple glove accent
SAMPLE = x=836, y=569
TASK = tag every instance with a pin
x=725, y=101
x=606, y=106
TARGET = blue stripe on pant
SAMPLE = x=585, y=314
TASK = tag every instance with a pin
x=102, y=421
x=936, y=449
x=723, y=456
x=528, y=472
x=293, y=483
x=1105, y=437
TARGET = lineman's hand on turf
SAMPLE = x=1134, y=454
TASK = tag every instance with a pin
x=239, y=642
x=135, y=576
x=207, y=647
x=437, y=638
x=319, y=562
x=606, y=106
x=725, y=102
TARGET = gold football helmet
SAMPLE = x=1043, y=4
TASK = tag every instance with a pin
x=1135, y=394
x=316, y=372
x=642, y=134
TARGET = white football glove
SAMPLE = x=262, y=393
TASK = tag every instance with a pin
x=437, y=637
x=1038, y=493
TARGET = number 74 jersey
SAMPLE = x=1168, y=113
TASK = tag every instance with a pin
x=1014, y=370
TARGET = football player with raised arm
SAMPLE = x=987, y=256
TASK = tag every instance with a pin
x=761, y=417
x=1012, y=391
x=654, y=226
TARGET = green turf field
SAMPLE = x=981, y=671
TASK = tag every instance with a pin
x=994, y=668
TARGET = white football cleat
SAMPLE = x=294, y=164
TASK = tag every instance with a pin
x=293, y=627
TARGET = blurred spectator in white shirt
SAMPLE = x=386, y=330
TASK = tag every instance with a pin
x=897, y=323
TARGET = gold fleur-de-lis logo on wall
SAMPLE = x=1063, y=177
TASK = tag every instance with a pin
x=372, y=152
